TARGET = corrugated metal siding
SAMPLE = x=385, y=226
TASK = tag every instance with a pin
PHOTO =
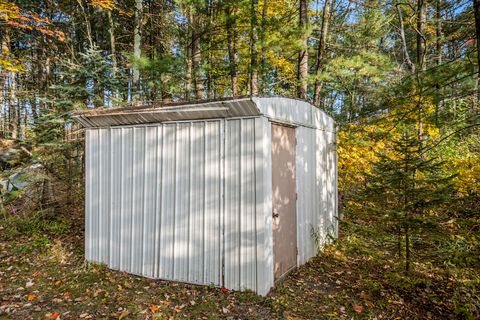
x=307, y=207
x=241, y=199
x=317, y=172
x=288, y=110
x=155, y=206
x=137, y=225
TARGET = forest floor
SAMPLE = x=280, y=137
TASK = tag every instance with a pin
x=43, y=276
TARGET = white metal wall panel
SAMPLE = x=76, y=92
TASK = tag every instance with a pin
x=332, y=205
x=212, y=183
x=89, y=185
x=167, y=228
x=154, y=200
x=149, y=202
x=116, y=196
x=307, y=208
x=263, y=175
x=317, y=190
x=243, y=206
x=288, y=110
x=322, y=121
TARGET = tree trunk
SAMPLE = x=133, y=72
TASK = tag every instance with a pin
x=188, y=57
x=232, y=50
x=421, y=58
x=87, y=23
x=406, y=55
x=253, y=49
x=399, y=242
x=476, y=9
x=263, y=59
x=111, y=32
x=137, y=50
x=407, y=249
x=438, y=49
x=302, y=71
x=196, y=58
x=322, y=44
x=421, y=40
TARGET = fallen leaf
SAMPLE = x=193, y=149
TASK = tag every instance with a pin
x=37, y=274
x=29, y=284
x=165, y=302
x=154, y=308
x=52, y=315
x=97, y=292
x=31, y=297
x=224, y=290
x=124, y=314
x=357, y=309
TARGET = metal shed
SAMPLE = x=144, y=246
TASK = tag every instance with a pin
x=232, y=193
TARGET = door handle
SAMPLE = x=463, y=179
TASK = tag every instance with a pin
x=275, y=214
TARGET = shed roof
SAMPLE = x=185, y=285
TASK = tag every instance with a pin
x=294, y=111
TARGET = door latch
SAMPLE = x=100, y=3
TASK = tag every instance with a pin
x=275, y=213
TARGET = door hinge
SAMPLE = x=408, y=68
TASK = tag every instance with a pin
x=296, y=195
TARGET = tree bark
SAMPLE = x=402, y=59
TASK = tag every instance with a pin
x=421, y=59
x=322, y=44
x=406, y=55
x=232, y=50
x=88, y=25
x=137, y=50
x=188, y=57
x=407, y=249
x=253, y=49
x=302, y=67
x=111, y=32
x=476, y=9
x=196, y=58
x=263, y=58
x=421, y=40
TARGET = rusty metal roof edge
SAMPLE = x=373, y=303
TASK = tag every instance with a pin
x=109, y=117
x=181, y=105
x=222, y=108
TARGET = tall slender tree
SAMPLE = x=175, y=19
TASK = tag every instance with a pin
x=302, y=68
x=320, y=61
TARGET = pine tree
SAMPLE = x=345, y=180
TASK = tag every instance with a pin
x=404, y=185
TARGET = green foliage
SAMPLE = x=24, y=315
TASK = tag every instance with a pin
x=41, y=224
x=405, y=185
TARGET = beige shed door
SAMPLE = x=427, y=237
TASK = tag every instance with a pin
x=284, y=199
